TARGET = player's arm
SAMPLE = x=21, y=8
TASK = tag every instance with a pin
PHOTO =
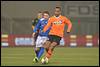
x=32, y=27
x=33, y=24
x=68, y=22
x=47, y=26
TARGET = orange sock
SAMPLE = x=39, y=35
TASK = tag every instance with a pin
x=49, y=53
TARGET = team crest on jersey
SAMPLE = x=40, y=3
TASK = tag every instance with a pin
x=58, y=22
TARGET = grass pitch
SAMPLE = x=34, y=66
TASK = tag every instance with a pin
x=63, y=56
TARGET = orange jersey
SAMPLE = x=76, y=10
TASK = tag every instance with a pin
x=57, y=25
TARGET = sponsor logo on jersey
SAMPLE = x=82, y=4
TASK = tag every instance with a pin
x=58, y=22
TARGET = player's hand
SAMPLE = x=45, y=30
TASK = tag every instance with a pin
x=33, y=34
x=68, y=31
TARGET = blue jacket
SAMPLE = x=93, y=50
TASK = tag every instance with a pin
x=40, y=25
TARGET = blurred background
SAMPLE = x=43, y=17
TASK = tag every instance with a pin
x=16, y=16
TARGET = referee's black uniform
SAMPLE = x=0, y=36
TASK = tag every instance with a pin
x=33, y=25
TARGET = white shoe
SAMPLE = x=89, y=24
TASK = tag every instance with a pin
x=35, y=60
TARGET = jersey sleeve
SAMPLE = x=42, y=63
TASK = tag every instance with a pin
x=47, y=26
x=37, y=26
x=68, y=22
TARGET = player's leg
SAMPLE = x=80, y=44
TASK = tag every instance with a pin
x=40, y=53
x=55, y=41
x=39, y=43
x=46, y=45
x=37, y=49
x=48, y=53
x=50, y=50
x=42, y=41
x=36, y=56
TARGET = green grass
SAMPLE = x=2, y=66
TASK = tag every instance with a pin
x=63, y=56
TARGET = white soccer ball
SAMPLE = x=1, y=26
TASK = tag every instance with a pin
x=44, y=60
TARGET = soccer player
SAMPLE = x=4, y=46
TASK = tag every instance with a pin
x=42, y=36
x=34, y=23
x=57, y=23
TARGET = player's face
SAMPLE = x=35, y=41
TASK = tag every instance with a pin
x=57, y=12
x=39, y=15
x=46, y=16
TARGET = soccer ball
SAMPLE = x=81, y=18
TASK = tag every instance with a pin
x=44, y=60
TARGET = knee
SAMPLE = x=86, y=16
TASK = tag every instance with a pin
x=53, y=45
x=46, y=44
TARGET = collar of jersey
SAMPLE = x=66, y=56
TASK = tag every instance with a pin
x=57, y=17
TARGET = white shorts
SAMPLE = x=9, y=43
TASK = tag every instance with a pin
x=41, y=40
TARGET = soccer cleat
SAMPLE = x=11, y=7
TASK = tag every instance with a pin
x=35, y=60
x=44, y=60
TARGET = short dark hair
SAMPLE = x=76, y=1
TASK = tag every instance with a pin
x=58, y=8
x=47, y=12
